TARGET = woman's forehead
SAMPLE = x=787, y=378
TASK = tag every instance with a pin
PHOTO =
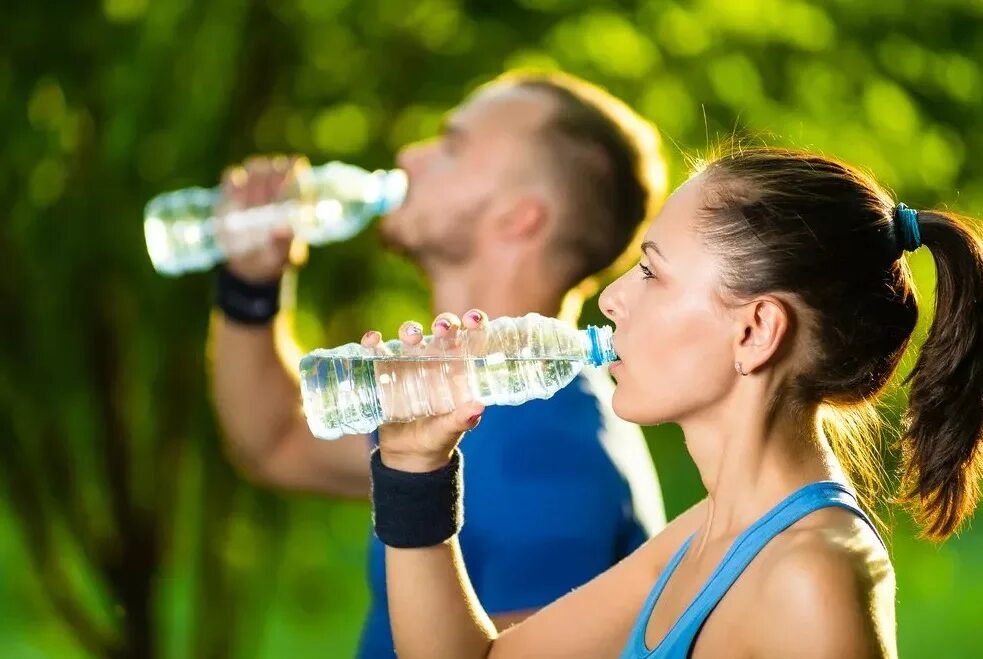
x=675, y=225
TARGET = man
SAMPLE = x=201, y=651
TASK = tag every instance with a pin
x=536, y=184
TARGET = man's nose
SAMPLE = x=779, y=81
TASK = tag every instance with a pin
x=412, y=157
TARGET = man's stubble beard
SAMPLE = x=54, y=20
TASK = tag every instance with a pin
x=454, y=248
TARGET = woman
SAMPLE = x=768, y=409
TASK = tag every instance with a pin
x=771, y=304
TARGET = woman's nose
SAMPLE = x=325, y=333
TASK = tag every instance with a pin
x=610, y=301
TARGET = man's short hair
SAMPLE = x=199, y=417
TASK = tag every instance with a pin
x=611, y=172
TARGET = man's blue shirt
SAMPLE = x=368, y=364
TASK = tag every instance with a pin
x=546, y=509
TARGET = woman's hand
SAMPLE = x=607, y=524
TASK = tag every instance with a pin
x=427, y=444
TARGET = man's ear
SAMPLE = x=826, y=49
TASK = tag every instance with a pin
x=523, y=218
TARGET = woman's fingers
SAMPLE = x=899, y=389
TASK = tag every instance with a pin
x=411, y=337
x=446, y=325
x=476, y=322
x=438, y=379
x=371, y=339
x=445, y=336
x=474, y=319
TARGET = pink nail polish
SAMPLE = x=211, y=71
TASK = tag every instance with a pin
x=413, y=329
x=474, y=316
x=443, y=323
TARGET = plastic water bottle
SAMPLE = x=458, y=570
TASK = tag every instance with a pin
x=353, y=389
x=323, y=204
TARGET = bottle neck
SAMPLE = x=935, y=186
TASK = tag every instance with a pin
x=598, y=345
x=392, y=190
x=379, y=191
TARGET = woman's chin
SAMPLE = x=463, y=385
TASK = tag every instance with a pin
x=636, y=411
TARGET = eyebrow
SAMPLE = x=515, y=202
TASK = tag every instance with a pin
x=650, y=244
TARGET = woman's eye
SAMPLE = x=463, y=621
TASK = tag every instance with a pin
x=647, y=274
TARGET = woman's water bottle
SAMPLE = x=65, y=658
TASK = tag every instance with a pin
x=353, y=389
x=322, y=204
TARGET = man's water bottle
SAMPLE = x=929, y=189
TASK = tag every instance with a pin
x=323, y=204
x=353, y=389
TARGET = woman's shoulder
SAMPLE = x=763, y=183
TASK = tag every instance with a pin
x=831, y=539
x=826, y=583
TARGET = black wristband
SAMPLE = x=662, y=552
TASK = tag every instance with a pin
x=245, y=302
x=417, y=510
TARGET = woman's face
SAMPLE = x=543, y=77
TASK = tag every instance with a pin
x=674, y=335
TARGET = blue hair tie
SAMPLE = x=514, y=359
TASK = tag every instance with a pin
x=906, y=223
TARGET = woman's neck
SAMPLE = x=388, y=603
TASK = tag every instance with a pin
x=750, y=457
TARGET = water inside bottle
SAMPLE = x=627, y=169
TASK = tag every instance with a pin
x=354, y=389
x=353, y=395
x=185, y=232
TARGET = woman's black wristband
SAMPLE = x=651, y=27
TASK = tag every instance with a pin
x=245, y=302
x=417, y=510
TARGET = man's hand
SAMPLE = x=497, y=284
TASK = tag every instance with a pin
x=258, y=182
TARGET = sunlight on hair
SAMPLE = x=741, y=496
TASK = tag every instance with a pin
x=856, y=435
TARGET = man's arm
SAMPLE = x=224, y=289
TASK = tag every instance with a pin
x=254, y=374
x=258, y=402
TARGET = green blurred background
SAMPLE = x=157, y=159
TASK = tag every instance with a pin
x=123, y=532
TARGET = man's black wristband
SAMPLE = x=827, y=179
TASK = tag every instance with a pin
x=245, y=302
x=417, y=510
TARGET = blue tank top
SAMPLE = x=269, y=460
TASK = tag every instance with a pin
x=678, y=641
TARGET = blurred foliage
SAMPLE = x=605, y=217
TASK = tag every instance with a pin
x=123, y=532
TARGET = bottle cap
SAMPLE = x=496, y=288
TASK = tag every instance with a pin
x=601, y=347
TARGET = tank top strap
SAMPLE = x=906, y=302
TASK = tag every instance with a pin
x=679, y=639
x=807, y=500
x=636, y=641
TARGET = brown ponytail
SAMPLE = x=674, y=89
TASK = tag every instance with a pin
x=943, y=461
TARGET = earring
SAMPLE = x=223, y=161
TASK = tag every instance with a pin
x=739, y=368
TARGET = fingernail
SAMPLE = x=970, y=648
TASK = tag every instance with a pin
x=474, y=316
x=413, y=329
x=473, y=421
x=368, y=334
x=442, y=323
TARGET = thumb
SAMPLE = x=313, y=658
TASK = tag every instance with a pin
x=281, y=240
x=463, y=418
x=282, y=235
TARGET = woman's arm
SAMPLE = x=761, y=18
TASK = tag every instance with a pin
x=433, y=608
x=435, y=613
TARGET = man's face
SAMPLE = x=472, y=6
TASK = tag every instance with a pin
x=459, y=179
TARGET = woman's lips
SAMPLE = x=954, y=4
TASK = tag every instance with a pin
x=616, y=364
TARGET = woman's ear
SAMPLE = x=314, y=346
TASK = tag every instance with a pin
x=763, y=325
